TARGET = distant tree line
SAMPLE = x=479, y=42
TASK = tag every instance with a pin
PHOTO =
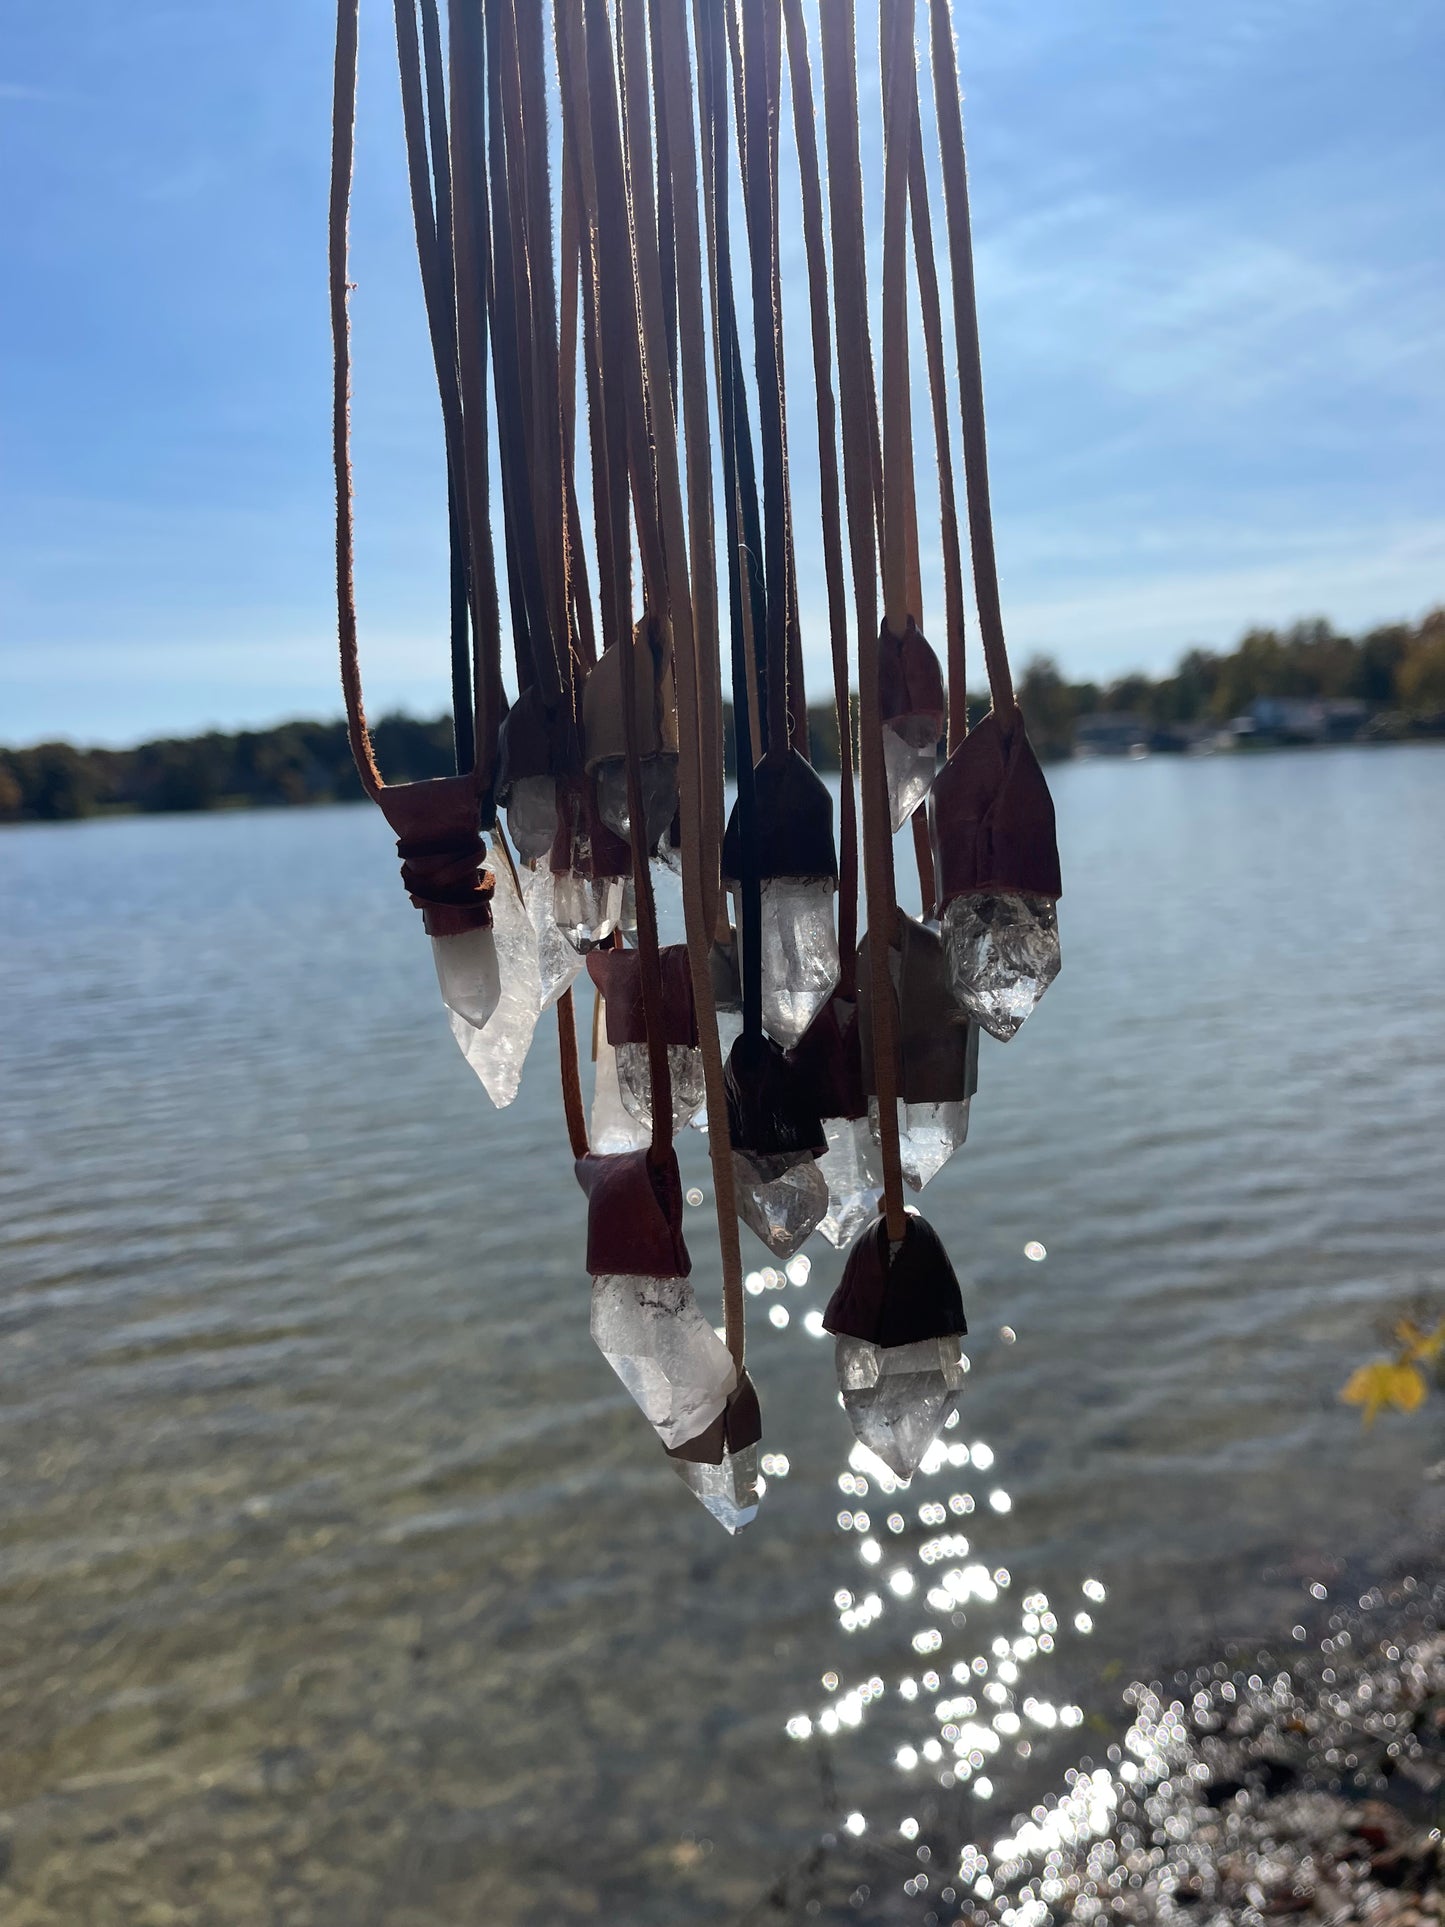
x=1398, y=672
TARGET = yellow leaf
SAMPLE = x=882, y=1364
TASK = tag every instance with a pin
x=1407, y=1388
x=1418, y=1344
x=1369, y=1386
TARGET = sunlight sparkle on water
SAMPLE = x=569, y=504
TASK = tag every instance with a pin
x=1034, y=1250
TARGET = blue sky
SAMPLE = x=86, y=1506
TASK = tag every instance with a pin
x=1213, y=306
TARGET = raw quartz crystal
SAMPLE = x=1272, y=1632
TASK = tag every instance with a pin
x=783, y=1198
x=799, y=947
x=850, y=1168
x=497, y=1049
x=634, y=1082
x=586, y=909
x=612, y=1128
x=654, y=1336
x=928, y=1136
x=467, y=972
x=729, y=1489
x=1003, y=953
x=558, y=962
x=910, y=761
x=658, y=778
x=532, y=816
x=899, y=1397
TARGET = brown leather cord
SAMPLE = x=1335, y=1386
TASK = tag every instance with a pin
x=428, y=168
x=471, y=264
x=550, y=476
x=806, y=136
x=343, y=143
x=928, y=301
x=573, y=1107
x=690, y=764
x=579, y=597
x=896, y=37
x=609, y=477
x=698, y=667
x=970, y=365
x=667, y=214
x=755, y=141
x=846, y=204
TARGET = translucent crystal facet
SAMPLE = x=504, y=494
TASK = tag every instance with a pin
x=467, y=972
x=782, y=1199
x=854, y=1178
x=910, y=762
x=634, y=1081
x=729, y=1490
x=532, y=816
x=497, y=1049
x=586, y=909
x=928, y=1136
x=799, y=947
x=658, y=776
x=1003, y=953
x=653, y=1335
x=898, y=1397
x=558, y=962
x=612, y=1127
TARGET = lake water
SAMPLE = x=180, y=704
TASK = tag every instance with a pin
x=340, y=1582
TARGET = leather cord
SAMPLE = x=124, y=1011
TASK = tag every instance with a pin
x=970, y=366
x=854, y=379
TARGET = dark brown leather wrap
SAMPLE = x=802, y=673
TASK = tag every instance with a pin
x=991, y=818
x=898, y=1301
x=634, y=1215
x=437, y=825
x=794, y=823
x=910, y=680
x=937, y=1046
x=829, y=1060
x=770, y=1107
x=618, y=976
x=604, y=714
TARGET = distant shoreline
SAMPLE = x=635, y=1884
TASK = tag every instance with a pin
x=1302, y=687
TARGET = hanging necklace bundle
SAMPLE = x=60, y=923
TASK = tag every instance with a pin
x=829, y=1073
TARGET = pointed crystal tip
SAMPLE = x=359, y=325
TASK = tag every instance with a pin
x=898, y=1398
x=799, y=953
x=852, y=1174
x=1003, y=953
x=910, y=762
x=928, y=1136
x=729, y=1490
x=782, y=1199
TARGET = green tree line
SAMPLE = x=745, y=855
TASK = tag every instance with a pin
x=1398, y=672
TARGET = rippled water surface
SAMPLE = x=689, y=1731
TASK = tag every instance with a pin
x=339, y=1580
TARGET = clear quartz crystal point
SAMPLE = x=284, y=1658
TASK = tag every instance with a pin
x=910, y=762
x=729, y=1490
x=658, y=776
x=782, y=1199
x=898, y=1397
x=558, y=962
x=586, y=909
x=467, y=972
x=854, y=1178
x=653, y=1335
x=634, y=1082
x=799, y=953
x=612, y=1128
x=1003, y=953
x=928, y=1136
x=532, y=816
x=497, y=1050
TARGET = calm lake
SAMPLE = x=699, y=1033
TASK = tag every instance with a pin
x=340, y=1581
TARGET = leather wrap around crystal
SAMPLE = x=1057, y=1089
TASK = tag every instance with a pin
x=912, y=706
x=898, y=1317
x=996, y=860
